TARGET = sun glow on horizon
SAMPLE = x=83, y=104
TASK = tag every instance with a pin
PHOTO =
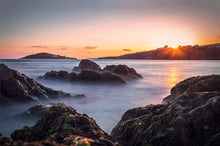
x=173, y=38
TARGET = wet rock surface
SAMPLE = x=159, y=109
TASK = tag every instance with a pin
x=190, y=119
x=123, y=70
x=17, y=87
x=61, y=124
x=90, y=71
x=194, y=84
x=86, y=64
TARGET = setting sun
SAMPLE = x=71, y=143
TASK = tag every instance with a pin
x=173, y=38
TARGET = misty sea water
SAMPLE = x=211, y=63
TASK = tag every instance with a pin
x=106, y=103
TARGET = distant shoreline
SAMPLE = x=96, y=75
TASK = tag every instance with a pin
x=105, y=59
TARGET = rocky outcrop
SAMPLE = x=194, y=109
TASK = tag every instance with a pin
x=123, y=70
x=63, y=75
x=38, y=110
x=86, y=64
x=17, y=87
x=90, y=71
x=194, y=84
x=191, y=118
x=85, y=76
x=62, y=125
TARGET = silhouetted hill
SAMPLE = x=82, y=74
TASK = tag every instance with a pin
x=205, y=52
x=45, y=56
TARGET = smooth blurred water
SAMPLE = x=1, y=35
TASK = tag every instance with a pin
x=106, y=103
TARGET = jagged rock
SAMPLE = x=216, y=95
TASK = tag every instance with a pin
x=38, y=110
x=79, y=96
x=51, y=75
x=88, y=75
x=5, y=140
x=64, y=75
x=90, y=71
x=194, y=84
x=61, y=124
x=123, y=70
x=191, y=119
x=86, y=64
x=111, y=77
x=85, y=75
x=16, y=87
x=73, y=76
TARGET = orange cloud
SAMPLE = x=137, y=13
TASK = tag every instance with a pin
x=218, y=37
x=90, y=47
x=38, y=46
x=61, y=49
x=128, y=50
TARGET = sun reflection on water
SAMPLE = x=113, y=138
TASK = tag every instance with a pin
x=174, y=76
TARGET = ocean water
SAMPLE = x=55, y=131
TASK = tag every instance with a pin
x=106, y=103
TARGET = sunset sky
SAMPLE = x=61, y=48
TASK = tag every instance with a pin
x=96, y=28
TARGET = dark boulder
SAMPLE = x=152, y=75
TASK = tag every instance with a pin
x=123, y=70
x=86, y=64
x=72, y=76
x=194, y=84
x=109, y=68
x=16, y=87
x=90, y=71
x=61, y=124
x=63, y=75
x=88, y=75
x=85, y=75
x=192, y=118
x=51, y=75
x=111, y=77
x=38, y=110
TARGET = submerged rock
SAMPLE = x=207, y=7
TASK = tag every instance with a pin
x=17, y=87
x=192, y=118
x=86, y=64
x=62, y=124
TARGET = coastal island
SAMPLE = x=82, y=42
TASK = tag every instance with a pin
x=44, y=55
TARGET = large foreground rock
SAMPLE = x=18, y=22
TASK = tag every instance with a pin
x=62, y=124
x=17, y=87
x=190, y=119
x=194, y=84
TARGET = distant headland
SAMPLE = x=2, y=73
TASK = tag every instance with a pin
x=189, y=52
x=44, y=55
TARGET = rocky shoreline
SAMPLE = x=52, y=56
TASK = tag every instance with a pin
x=189, y=116
x=17, y=87
x=60, y=124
